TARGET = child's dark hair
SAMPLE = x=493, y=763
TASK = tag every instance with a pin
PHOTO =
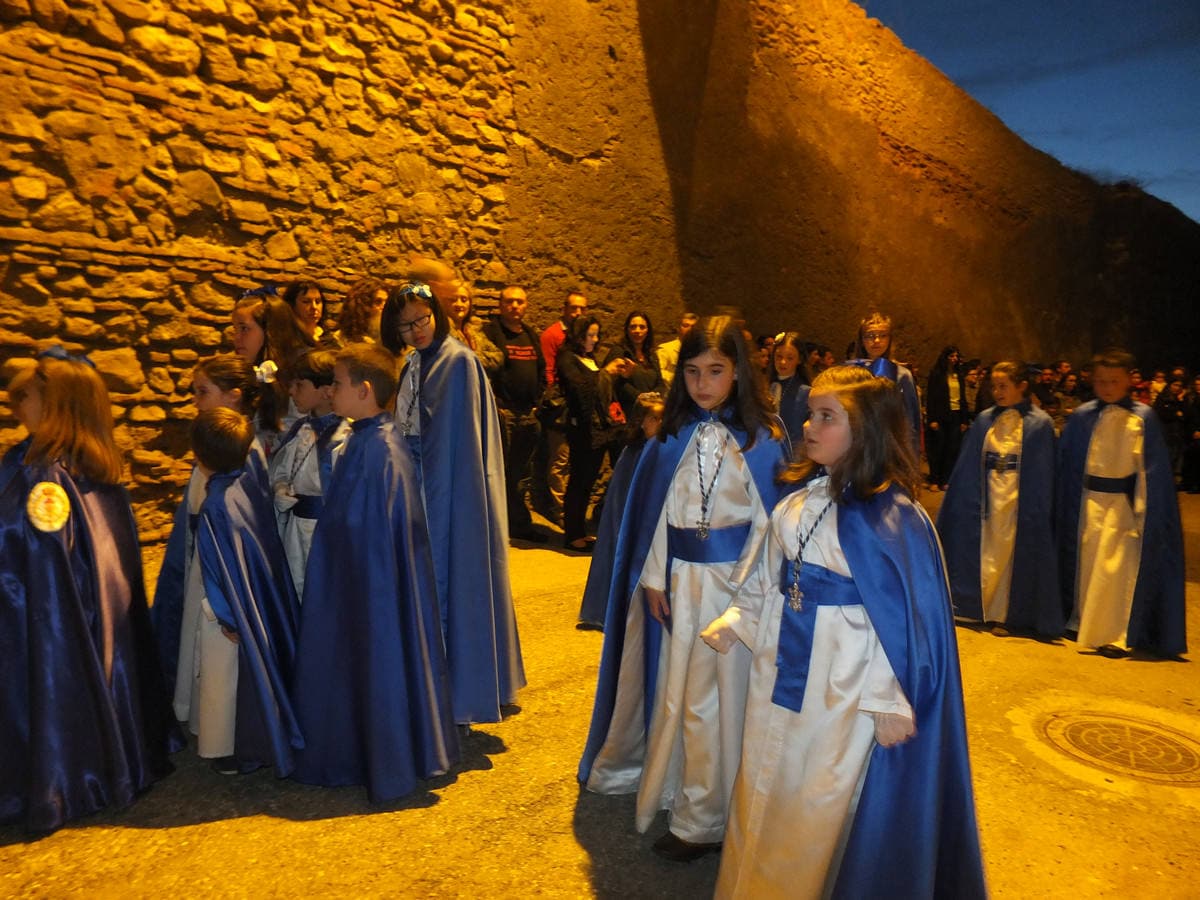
x=370, y=362
x=1115, y=358
x=228, y=371
x=221, y=439
x=873, y=319
x=748, y=401
x=792, y=339
x=880, y=451
x=315, y=366
x=1016, y=372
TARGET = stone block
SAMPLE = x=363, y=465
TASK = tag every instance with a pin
x=282, y=246
x=144, y=412
x=11, y=207
x=81, y=329
x=169, y=52
x=120, y=369
x=63, y=212
x=21, y=125
x=136, y=12
x=249, y=210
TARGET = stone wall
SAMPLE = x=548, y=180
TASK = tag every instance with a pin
x=793, y=159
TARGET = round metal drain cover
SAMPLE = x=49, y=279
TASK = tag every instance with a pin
x=1127, y=746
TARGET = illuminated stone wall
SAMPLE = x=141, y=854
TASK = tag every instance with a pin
x=793, y=159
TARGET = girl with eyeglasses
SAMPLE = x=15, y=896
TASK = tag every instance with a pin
x=446, y=409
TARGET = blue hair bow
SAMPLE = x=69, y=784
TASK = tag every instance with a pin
x=59, y=352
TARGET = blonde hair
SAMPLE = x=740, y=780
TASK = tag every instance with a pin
x=76, y=427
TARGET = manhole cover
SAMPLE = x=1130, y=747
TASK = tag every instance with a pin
x=1128, y=746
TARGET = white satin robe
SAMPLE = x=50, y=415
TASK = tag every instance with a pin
x=801, y=772
x=695, y=738
x=998, y=535
x=207, y=673
x=1110, y=532
x=295, y=470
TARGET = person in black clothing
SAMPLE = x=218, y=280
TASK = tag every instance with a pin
x=518, y=385
x=945, y=420
x=1171, y=406
x=591, y=430
x=1190, y=480
x=645, y=375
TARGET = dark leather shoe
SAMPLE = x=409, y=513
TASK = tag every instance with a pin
x=1112, y=651
x=671, y=846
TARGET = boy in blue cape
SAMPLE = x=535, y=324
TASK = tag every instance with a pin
x=1120, y=540
x=371, y=687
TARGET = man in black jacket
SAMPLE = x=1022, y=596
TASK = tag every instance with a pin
x=518, y=386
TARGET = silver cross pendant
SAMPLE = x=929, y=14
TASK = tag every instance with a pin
x=795, y=597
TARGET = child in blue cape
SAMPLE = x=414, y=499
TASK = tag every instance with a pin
x=854, y=778
x=239, y=704
x=667, y=721
x=1119, y=536
x=371, y=686
x=85, y=719
x=302, y=465
x=997, y=520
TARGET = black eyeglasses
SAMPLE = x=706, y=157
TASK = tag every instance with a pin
x=419, y=322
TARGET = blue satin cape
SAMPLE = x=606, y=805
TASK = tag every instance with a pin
x=1157, y=620
x=914, y=832
x=85, y=719
x=249, y=587
x=599, y=580
x=462, y=476
x=371, y=689
x=1033, y=603
x=793, y=408
x=647, y=494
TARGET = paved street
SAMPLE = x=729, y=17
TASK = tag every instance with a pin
x=512, y=822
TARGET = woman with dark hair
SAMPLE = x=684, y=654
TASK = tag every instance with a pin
x=308, y=306
x=945, y=416
x=446, y=409
x=360, y=312
x=637, y=346
x=590, y=390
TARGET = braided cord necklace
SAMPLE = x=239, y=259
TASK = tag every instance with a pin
x=702, y=527
x=406, y=426
x=794, y=594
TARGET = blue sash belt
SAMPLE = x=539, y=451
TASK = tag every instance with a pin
x=308, y=506
x=820, y=587
x=1126, y=485
x=1001, y=462
x=997, y=462
x=722, y=545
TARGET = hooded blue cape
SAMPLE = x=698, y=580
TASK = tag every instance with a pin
x=249, y=587
x=371, y=690
x=793, y=408
x=1034, y=603
x=647, y=494
x=1157, y=621
x=462, y=476
x=85, y=720
x=914, y=832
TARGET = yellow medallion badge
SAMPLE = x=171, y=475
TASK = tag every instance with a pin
x=48, y=506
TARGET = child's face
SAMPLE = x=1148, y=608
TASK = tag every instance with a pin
x=709, y=378
x=248, y=336
x=345, y=396
x=416, y=324
x=207, y=395
x=827, y=431
x=786, y=360
x=460, y=307
x=1007, y=392
x=827, y=360
x=1111, y=384
x=306, y=395
x=876, y=340
x=27, y=404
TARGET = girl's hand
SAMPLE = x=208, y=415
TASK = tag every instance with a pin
x=891, y=729
x=230, y=634
x=719, y=635
x=657, y=601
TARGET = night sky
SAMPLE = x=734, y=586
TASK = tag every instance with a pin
x=1109, y=87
